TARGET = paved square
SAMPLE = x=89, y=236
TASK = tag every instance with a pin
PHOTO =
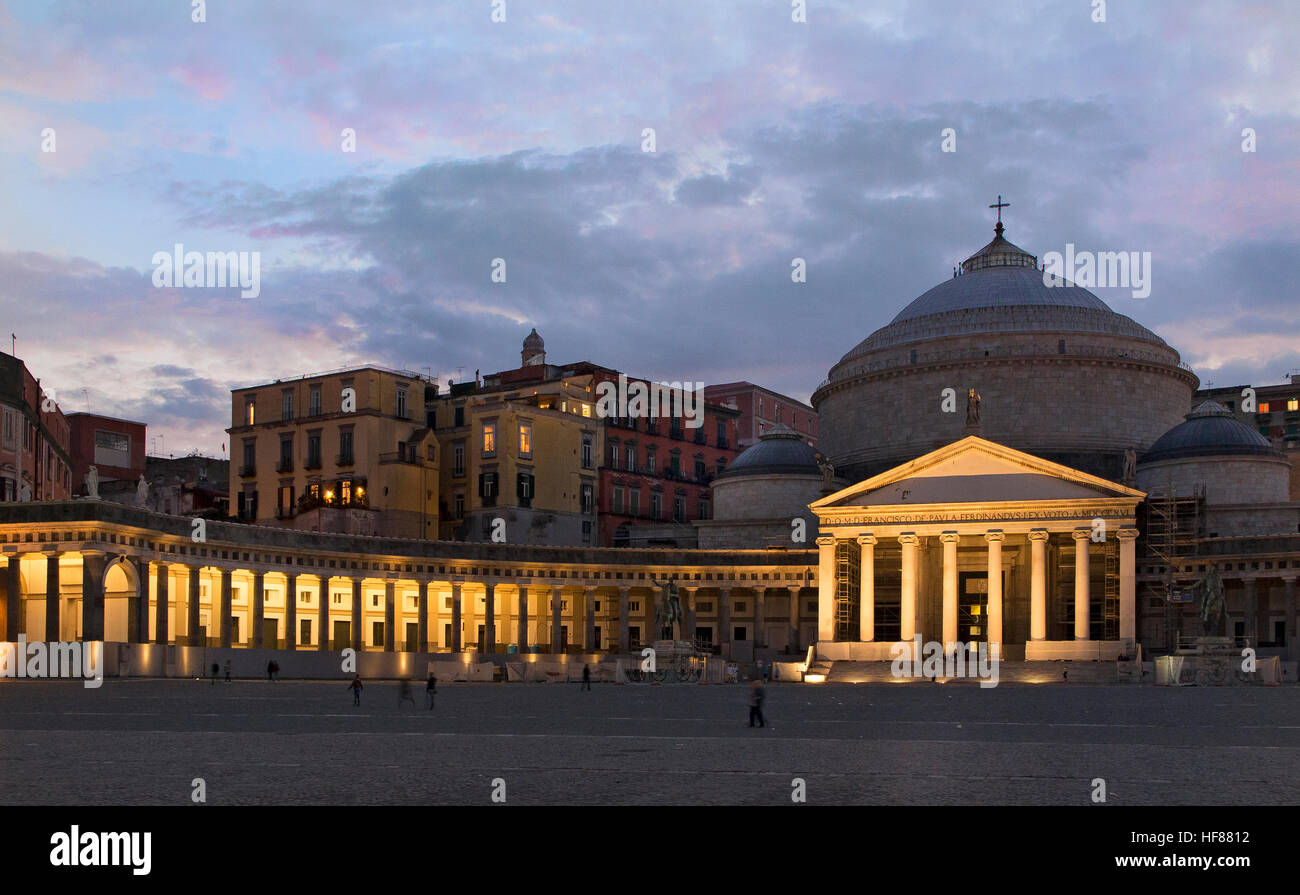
x=291, y=742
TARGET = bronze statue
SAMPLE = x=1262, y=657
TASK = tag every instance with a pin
x=972, y=408
x=1211, y=606
x=668, y=608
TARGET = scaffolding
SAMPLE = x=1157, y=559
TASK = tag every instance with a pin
x=1172, y=529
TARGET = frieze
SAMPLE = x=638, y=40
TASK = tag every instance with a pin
x=1078, y=513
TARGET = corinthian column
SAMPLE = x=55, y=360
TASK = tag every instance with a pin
x=995, y=538
x=1081, y=537
x=949, y=539
x=825, y=588
x=867, y=589
x=1038, y=584
x=907, y=596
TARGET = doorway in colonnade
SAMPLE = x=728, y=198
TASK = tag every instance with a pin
x=973, y=607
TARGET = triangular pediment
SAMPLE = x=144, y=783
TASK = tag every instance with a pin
x=974, y=470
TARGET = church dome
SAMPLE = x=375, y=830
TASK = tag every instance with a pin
x=779, y=451
x=533, y=340
x=1211, y=430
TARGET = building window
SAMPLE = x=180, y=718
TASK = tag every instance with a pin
x=699, y=469
x=313, y=450
x=458, y=417
x=586, y=452
x=345, y=492
x=524, y=488
x=760, y=406
x=400, y=410
x=460, y=512
x=722, y=434
x=1293, y=403
x=487, y=488
x=489, y=439
x=525, y=440
x=431, y=453
x=1060, y=346
x=286, y=404
x=1263, y=408
x=286, y=454
x=618, y=499
x=458, y=459
x=345, y=447
x=651, y=457
x=250, y=408
x=634, y=501
x=586, y=410
x=656, y=505
x=675, y=464
x=588, y=498
x=702, y=508
x=250, y=457
x=631, y=458
x=313, y=401
x=679, y=509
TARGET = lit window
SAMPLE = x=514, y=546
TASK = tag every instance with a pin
x=586, y=410
x=1293, y=403
x=250, y=404
x=489, y=440
x=525, y=441
x=1263, y=408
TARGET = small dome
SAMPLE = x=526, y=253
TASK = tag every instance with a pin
x=780, y=451
x=1211, y=430
x=533, y=340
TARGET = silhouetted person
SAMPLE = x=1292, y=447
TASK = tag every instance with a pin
x=586, y=677
x=756, y=695
x=227, y=670
x=430, y=689
x=270, y=670
x=216, y=669
x=356, y=686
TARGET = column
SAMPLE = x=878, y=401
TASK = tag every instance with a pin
x=724, y=622
x=793, y=638
x=51, y=597
x=624, y=642
x=589, y=643
x=1251, y=599
x=323, y=633
x=760, y=616
x=1081, y=538
x=455, y=616
x=137, y=623
x=867, y=589
x=193, y=622
x=259, y=608
x=390, y=615
x=1288, y=594
x=949, y=539
x=825, y=589
x=92, y=594
x=995, y=537
x=227, y=610
x=490, y=620
x=1038, y=584
x=356, y=614
x=290, y=611
x=422, y=615
x=555, y=618
x=522, y=632
x=1127, y=588
x=163, y=598
x=13, y=598
x=688, y=611
x=907, y=597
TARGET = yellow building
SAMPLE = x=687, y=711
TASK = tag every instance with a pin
x=520, y=462
x=348, y=451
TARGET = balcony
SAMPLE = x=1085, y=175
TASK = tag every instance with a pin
x=248, y=470
x=344, y=460
x=285, y=465
x=699, y=437
x=399, y=457
x=312, y=463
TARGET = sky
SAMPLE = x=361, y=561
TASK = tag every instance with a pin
x=525, y=140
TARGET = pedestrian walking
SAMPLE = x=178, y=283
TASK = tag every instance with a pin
x=430, y=689
x=216, y=669
x=356, y=686
x=275, y=669
x=227, y=671
x=270, y=670
x=756, y=696
x=404, y=693
x=586, y=677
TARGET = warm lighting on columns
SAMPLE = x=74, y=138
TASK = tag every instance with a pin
x=1081, y=537
x=907, y=596
x=949, y=539
x=995, y=538
x=1038, y=584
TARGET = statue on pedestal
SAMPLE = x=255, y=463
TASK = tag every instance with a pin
x=142, y=492
x=1130, y=467
x=668, y=608
x=1210, y=603
x=92, y=483
x=972, y=408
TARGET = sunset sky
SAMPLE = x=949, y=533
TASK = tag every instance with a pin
x=523, y=140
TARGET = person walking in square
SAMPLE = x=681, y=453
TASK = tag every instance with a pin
x=430, y=689
x=756, y=695
x=356, y=686
x=270, y=670
x=227, y=671
x=586, y=677
x=216, y=669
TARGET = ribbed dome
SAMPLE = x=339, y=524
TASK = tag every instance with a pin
x=1000, y=290
x=1210, y=430
x=780, y=450
x=533, y=340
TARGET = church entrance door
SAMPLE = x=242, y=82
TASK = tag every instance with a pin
x=973, y=607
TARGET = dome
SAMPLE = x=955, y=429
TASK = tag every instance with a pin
x=533, y=340
x=1211, y=430
x=1001, y=289
x=780, y=451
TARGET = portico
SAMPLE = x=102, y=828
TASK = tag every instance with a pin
x=977, y=542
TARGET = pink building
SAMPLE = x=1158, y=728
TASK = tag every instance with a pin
x=761, y=408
